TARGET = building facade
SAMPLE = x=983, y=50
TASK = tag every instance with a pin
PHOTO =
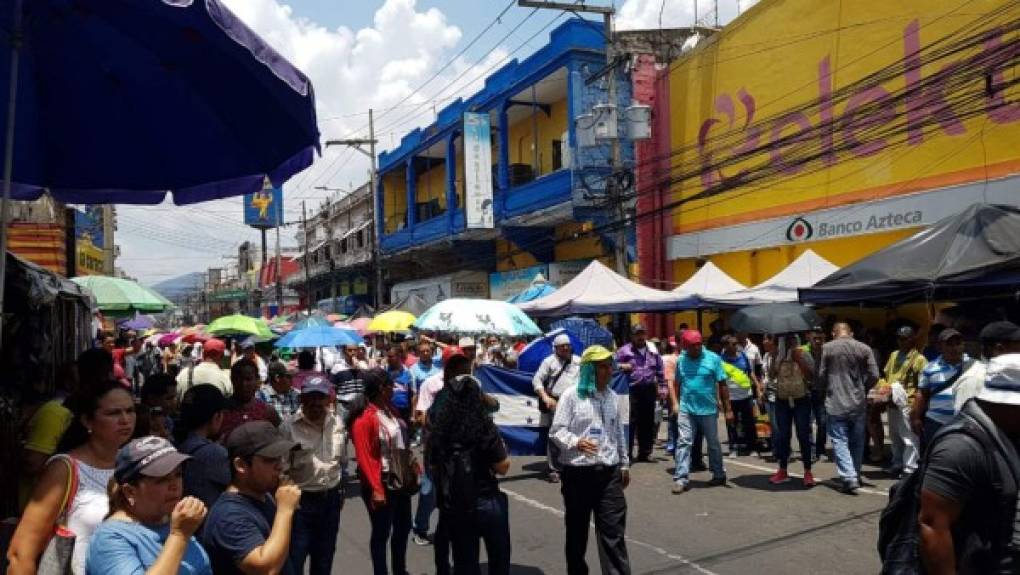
x=863, y=123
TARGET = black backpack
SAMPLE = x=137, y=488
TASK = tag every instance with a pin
x=899, y=534
x=454, y=476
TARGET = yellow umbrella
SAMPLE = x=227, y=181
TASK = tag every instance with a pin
x=390, y=321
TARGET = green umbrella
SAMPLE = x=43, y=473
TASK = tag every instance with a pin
x=121, y=296
x=239, y=324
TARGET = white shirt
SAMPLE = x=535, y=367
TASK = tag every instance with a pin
x=595, y=417
x=319, y=464
x=427, y=391
x=753, y=354
x=205, y=372
x=969, y=385
x=550, y=367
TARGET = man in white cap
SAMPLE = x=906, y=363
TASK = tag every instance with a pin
x=470, y=349
x=557, y=372
x=968, y=518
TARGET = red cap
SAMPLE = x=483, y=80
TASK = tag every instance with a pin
x=213, y=345
x=691, y=337
x=451, y=351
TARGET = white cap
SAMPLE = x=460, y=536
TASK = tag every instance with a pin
x=562, y=339
x=466, y=342
x=1002, y=380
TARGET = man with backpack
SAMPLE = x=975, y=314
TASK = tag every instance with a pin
x=556, y=374
x=968, y=520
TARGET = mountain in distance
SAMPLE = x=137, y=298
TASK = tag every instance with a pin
x=176, y=287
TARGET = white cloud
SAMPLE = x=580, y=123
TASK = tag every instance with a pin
x=645, y=14
x=352, y=70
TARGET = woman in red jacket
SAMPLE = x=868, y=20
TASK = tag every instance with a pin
x=377, y=430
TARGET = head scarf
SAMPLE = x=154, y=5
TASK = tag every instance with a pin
x=586, y=381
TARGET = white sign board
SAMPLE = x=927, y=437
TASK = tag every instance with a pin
x=478, y=171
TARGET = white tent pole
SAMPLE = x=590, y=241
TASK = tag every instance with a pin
x=5, y=205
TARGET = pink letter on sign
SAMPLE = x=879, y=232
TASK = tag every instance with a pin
x=1001, y=111
x=924, y=101
x=778, y=142
x=866, y=110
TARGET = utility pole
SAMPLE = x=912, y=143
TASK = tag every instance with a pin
x=359, y=145
x=279, y=281
x=613, y=191
x=308, y=283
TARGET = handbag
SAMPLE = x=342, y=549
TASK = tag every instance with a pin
x=56, y=558
x=402, y=476
x=790, y=382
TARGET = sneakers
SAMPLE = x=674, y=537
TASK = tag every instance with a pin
x=553, y=477
x=422, y=540
x=679, y=487
x=851, y=487
x=717, y=481
x=809, y=480
x=779, y=477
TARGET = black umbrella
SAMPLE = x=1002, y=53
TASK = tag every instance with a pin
x=774, y=318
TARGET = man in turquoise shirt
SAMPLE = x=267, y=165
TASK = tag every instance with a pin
x=698, y=393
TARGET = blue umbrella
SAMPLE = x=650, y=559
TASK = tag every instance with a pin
x=121, y=101
x=313, y=321
x=321, y=336
x=589, y=331
x=534, y=353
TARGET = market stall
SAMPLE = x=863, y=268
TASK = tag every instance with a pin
x=803, y=272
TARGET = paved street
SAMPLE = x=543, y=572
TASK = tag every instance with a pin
x=748, y=527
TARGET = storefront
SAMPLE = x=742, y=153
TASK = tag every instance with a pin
x=854, y=134
x=468, y=284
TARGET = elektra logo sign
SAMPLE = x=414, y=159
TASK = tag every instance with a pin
x=801, y=230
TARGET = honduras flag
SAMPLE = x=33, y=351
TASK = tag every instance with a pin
x=519, y=419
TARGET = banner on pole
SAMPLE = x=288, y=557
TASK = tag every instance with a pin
x=478, y=171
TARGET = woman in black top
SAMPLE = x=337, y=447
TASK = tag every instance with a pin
x=466, y=453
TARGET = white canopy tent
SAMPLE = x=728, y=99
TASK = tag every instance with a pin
x=598, y=290
x=805, y=271
x=707, y=282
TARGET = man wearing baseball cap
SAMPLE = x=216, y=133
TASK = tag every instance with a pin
x=208, y=371
x=556, y=374
x=248, y=530
x=318, y=470
x=933, y=406
x=902, y=372
x=968, y=517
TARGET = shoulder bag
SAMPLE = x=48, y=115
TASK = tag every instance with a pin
x=402, y=476
x=790, y=383
x=56, y=558
x=550, y=383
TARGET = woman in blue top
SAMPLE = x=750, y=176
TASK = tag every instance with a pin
x=149, y=529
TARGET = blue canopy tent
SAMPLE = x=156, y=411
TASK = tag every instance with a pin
x=588, y=331
x=122, y=101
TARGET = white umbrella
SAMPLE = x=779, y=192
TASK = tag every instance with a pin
x=477, y=316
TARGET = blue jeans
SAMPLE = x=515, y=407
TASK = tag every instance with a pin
x=818, y=413
x=706, y=426
x=426, y=504
x=316, y=524
x=491, y=523
x=847, y=435
x=671, y=432
x=787, y=416
x=390, y=524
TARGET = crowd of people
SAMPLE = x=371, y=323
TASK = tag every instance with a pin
x=220, y=459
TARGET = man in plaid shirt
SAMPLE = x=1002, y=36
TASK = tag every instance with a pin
x=278, y=393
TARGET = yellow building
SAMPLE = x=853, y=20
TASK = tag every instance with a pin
x=840, y=127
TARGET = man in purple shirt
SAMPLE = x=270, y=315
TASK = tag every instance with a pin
x=644, y=369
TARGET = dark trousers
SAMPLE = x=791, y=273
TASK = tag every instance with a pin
x=595, y=491
x=441, y=546
x=489, y=523
x=787, y=417
x=818, y=415
x=313, y=536
x=392, y=524
x=642, y=418
x=743, y=433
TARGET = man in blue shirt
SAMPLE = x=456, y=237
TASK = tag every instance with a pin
x=743, y=435
x=697, y=395
x=404, y=384
x=427, y=364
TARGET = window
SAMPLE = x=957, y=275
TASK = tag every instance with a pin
x=343, y=246
x=557, y=154
x=361, y=238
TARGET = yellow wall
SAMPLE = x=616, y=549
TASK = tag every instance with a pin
x=549, y=128
x=748, y=62
x=431, y=185
x=394, y=199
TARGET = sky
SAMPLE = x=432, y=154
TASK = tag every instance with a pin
x=406, y=59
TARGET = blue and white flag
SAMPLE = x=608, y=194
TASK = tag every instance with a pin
x=518, y=418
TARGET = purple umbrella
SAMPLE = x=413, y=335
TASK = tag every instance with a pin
x=139, y=322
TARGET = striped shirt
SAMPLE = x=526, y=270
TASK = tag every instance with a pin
x=934, y=379
x=598, y=417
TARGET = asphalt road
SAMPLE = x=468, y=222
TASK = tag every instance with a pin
x=749, y=526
